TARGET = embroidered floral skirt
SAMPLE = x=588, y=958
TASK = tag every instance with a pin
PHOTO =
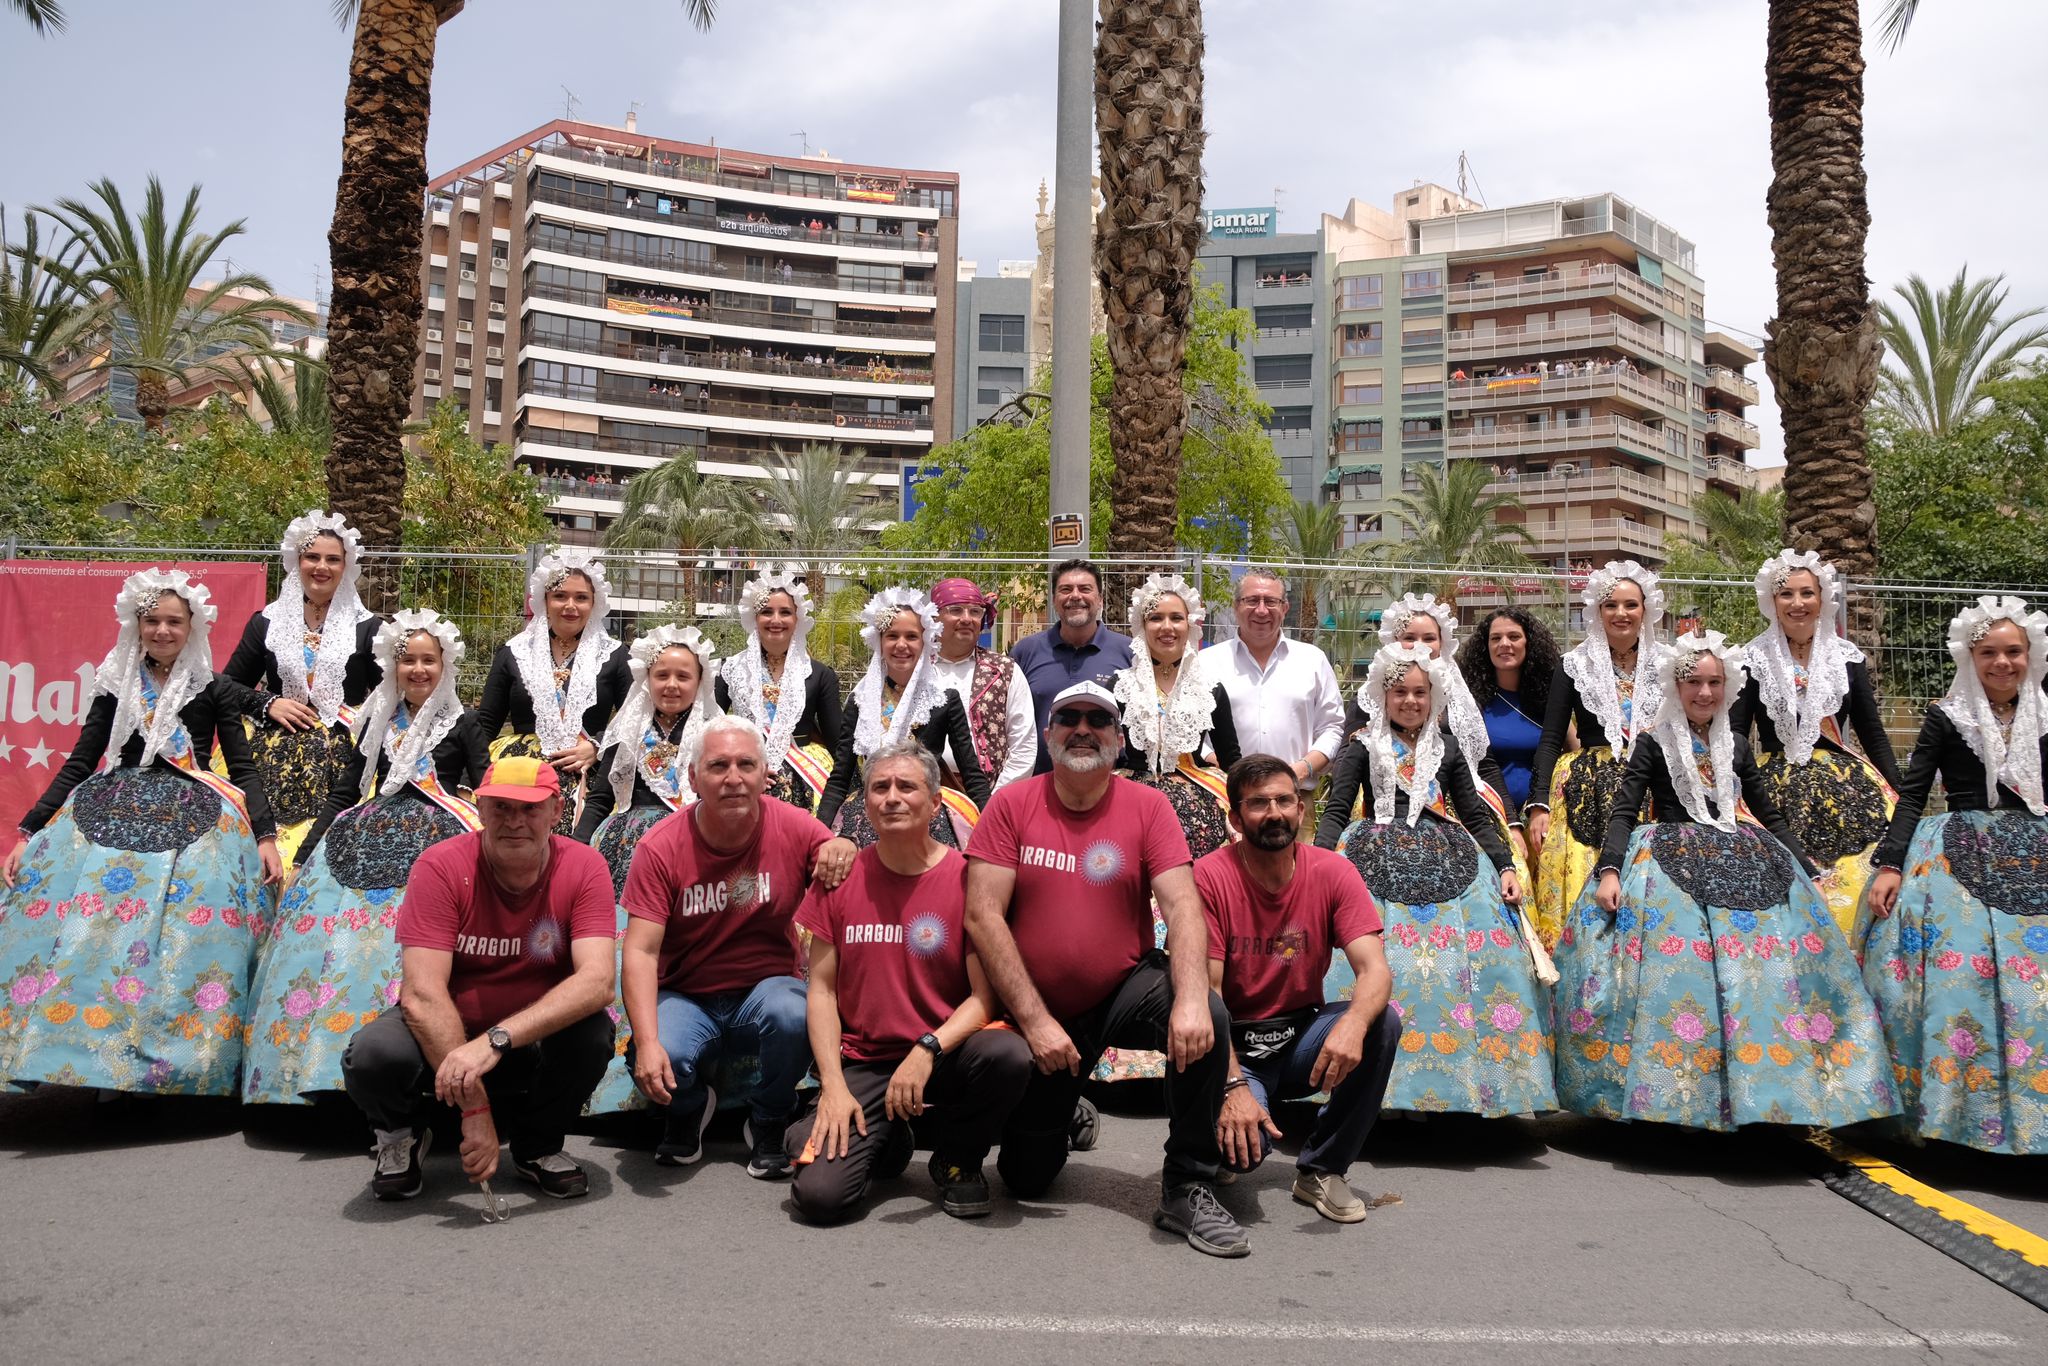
x=1721, y=993
x=126, y=941
x=528, y=747
x=616, y=838
x=789, y=784
x=297, y=766
x=1839, y=807
x=329, y=964
x=1960, y=972
x=1474, y=1035
x=1582, y=792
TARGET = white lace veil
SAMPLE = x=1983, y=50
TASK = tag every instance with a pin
x=531, y=652
x=1798, y=714
x=746, y=675
x=628, y=728
x=1461, y=709
x=120, y=673
x=435, y=718
x=1674, y=732
x=1391, y=663
x=1590, y=663
x=1164, y=730
x=284, y=631
x=2013, y=759
x=920, y=695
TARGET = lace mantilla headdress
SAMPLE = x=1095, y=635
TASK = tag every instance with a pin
x=1590, y=663
x=560, y=725
x=426, y=728
x=1674, y=731
x=1461, y=709
x=120, y=673
x=922, y=693
x=746, y=676
x=285, y=634
x=1797, y=712
x=1392, y=663
x=628, y=729
x=2010, y=757
x=1163, y=729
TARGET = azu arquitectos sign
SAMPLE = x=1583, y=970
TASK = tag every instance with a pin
x=1240, y=222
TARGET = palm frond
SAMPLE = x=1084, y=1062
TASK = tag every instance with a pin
x=1894, y=21
x=1944, y=344
x=46, y=17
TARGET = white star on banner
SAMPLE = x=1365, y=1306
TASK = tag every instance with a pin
x=39, y=756
x=6, y=750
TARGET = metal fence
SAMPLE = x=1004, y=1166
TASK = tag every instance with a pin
x=1335, y=605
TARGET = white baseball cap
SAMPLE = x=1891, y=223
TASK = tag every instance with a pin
x=1086, y=690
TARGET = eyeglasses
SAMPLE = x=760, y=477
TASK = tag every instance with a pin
x=1095, y=718
x=1262, y=602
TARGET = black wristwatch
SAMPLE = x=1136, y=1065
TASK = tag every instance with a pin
x=931, y=1043
x=499, y=1038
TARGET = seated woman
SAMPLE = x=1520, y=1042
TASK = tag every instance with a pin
x=330, y=963
x=1172, y=712
x=1702, y=979
x=126, y=928
x=1958, y=950
x=1807, y=686
x=775, y=612
x=306, y=660
x=642, y=776
x=1474, y=1036
x=898, y=699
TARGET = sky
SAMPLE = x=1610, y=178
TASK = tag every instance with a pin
x=1309, y=104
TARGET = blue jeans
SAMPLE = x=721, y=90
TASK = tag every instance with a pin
x=768, y=1021
x=1346, y=1120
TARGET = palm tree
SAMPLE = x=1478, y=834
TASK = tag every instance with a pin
x=41, y=314
x=1455, y=524
x=1896, y=19
x=374, y=246
x=1948, y=344
x=673, y=507
x=1312, y=533
x=44, y=16
x=1148, y=120
x=168, y=327
x=297, y=407
x=809, y=509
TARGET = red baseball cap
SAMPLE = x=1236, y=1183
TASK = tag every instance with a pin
x=520, y=780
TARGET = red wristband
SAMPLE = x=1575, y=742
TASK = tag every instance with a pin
x=479, y=1110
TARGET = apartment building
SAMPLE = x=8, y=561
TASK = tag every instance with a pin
x=89, y=372
x=992, y=357
x=602, y=300
x=1563, y=343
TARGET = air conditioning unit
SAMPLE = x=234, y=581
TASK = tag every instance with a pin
x=461, y=365
x=433, y=373
x=494, y=353
x=498, y=307
x=469, y=275
x=433, y=334
x=500, y=262
x=462, y=324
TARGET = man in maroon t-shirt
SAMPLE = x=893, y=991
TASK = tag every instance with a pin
x=710, y=954
x=1062, y=872
x=1277, y=910
x=900, y=1011
x=507, y=943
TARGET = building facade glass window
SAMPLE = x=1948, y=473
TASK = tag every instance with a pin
x=1364, y=339
x=1363, y=386
x=1361, y=291
x=1417, y=283
x=1001, y=332
x=998, y=383
x=1353, y=437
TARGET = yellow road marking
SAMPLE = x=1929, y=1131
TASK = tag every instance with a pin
x=2029, y=1247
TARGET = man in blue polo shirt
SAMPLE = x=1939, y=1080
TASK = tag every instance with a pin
x=1076, y=647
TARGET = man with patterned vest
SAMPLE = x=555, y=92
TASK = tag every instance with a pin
x=991, y=686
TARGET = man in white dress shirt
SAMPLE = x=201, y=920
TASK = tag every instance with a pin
x=1284, y=696
x=991, y=686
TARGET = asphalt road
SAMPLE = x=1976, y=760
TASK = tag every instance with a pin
x=177, y=1231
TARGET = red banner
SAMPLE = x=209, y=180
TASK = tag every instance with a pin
x=56, y=625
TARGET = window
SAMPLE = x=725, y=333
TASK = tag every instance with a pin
x=1288, y=420
x=998, y=383
x=556, y=373
x=1359, y=436
x=805, y=183
x=1363, y=386
x=870, y=275
x=1286, y=372
x=1418, y=380
x=1422, y=332
x=1284, y=318
x=494, y=395
x=1361, y=291
x=581, y=334
x=575, y=241
x=1417, y=283
x=1002, y=332
x=1419, y=430
x=542, y=276
x=1363, y=339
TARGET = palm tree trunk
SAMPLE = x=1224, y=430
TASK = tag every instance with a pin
x=152, y=400
x=1148, y=117
x=1823, y=348
x=374, y=317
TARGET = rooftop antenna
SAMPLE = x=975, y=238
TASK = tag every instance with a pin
x=805, y=138
x=1468, y=181
x=569, y=103
x=1278, y=193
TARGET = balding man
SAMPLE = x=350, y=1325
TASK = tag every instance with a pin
x=1284, y=697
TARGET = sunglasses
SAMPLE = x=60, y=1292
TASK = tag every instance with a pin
x=1095, y=718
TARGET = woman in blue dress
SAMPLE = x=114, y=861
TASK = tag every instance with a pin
x=1958, y=952
x=1703, y=980
x=1508, y=662
x=641, y=778
x=1474, y=1034
x=126, y=927
x=330, y=963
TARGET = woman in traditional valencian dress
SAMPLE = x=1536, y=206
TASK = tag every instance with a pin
x=1958, y=952
x=1808, y=688
x=1702, y=979
x=775, y=610
x=1474, y=1036
x=307, y=658
x=900, y=699
x=560, y=679
x=330, y=963
x=1172, y=711
x=643, y=776
x=126, y=928
x=1508, y=663
x=1606, y=686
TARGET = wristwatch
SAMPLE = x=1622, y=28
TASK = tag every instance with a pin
x=500, y=1039
x=931, y=1043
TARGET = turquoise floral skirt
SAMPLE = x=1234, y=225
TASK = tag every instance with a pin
x=330, y=963
x=1722, y=992
x=127, y=939
x=1960, y=972
x=616, y=838
x=1474, y=1020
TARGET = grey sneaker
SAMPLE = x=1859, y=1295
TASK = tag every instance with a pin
x=555, y=1174
x=682, y=1137
x=399, y=1154
x=769, y=1162
x=1331, y=1196
x=1194, y=1211
x=1086, y=1125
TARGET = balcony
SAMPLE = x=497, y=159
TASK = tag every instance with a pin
x=1734, y=430
x=1275, y=289
x=1733, y=383
x=633, y=394
x=1587, y=486
x=1723, y=349
x=697, y=171
x=675, y=264
x=1613, y=330
x=1561, y=438
x=1595, y=282
x=1612, y=381
x=733, y=313
x=874, y=372
x=542, y=443
x=592, y=489
x=1598, y=538
x=796, y=234
x=1733, y=473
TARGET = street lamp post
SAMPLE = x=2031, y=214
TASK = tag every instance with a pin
x=1073, y=238
x=1567, y=469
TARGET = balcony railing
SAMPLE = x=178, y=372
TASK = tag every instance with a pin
x=1528, y=289
x=1281, y=383
x=1732, y=472
x=631, y=394
x=1600, y=433
x=603, y=489
x=694, y=171
x=1280, y=333
x=1612, y=380
x=1729, y=427
x=674, y=262
x=872, y=373
x=733, y=314
x=1299, y=281
x=649, y=210
x=1734, y=383
x=1541, y=489
x=559, y=438
x=1590, y=536
x=1612, y=330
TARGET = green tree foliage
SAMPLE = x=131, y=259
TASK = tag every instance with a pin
x=1945, y=345
x=1453, y=523
x=673, y=507
x=1739, y=535
x=42, y=313
x=810, y=509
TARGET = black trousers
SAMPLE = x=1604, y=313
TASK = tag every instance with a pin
x=536, y=1092
x=1134, y=1016
x=972, y=1091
